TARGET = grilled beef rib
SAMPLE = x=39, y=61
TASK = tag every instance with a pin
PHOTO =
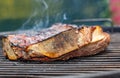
x=59, y=42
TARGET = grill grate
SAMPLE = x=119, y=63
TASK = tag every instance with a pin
x=81, y=66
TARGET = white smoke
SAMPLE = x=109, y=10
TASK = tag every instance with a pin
x=35, y=20
x=43, y=14
x=64, y=16
x=28, y=20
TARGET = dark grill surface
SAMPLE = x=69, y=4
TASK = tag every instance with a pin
x=104, y=63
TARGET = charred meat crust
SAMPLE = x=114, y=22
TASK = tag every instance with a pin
x=87, y=50
x=72, y=42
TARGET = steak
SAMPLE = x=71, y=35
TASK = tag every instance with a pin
x=59, y=42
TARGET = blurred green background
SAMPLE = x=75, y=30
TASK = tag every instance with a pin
x=36, y=14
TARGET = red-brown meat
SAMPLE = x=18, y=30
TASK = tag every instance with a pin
x=59, y=42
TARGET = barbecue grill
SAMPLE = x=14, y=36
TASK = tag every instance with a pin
x=102, y=65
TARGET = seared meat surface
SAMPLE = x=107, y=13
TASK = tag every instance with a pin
x=59, y=42
x=23, y=40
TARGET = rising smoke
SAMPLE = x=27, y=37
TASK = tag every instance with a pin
x=44, y=14
x=39, y=18
x=47, y=12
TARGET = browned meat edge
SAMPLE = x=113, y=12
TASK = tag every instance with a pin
x=87, y=50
